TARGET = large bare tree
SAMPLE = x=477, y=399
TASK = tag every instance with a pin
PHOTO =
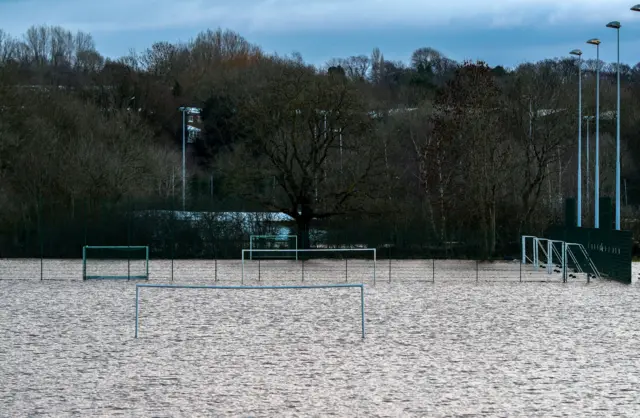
x=312, y=152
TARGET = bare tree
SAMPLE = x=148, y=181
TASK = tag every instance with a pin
x=434, y=62
x=37, y=41
x=8, y=46
x=88, y=61
x=302, y=123
x=541, y=125
x=356, y=68
x=472, y=121
x=62, y=48
x=438, y=165
x=377, y=66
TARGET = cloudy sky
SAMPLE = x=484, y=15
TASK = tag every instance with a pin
x=503, y=32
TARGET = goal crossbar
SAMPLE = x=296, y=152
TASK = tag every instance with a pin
x=373, y=251
x=319, y=286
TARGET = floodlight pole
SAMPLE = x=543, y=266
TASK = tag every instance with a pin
x=184, y=161
x=579, y=141
x=597, y=174
x=616, y=26
x=588, y=194
x=618, y=143
x=578, y=53
x=596, y=221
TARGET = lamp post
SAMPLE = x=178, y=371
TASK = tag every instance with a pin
x=588, y=119
x=616, y=25
x=578, y=53
x=596, y=221
x=184, y=162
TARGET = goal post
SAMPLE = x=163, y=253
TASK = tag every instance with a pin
x=529, y=247
x=273, y=242
x=113, y=262
x=315, y=254
x=552, y=253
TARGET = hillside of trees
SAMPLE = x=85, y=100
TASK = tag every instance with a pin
x=440, y=151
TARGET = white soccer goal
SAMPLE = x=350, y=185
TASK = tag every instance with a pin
x=587, y=263
x=273, y=242
x=548, y=252
x=552, y=252
x=334, y=261
x=556, y=253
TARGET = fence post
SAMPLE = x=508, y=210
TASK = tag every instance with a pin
x=389, y=254
x=172, y=220
x=346, y=270
x=137, y=309
x=433, y=270
x=520, y=272
x=129, y=208
x=41, y=237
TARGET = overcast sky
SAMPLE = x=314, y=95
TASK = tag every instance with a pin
x=503, y=32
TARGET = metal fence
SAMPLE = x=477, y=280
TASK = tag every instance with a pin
x=320, y=270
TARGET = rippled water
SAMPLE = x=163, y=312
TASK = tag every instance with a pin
x=451, y=347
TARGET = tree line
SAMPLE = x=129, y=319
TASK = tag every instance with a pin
x=453, y=152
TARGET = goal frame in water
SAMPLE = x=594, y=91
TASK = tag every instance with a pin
x=315, y=250
x=128, y=276
x=274, y=238
x=317, y=286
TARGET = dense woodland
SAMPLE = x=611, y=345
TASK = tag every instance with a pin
x=449, y=152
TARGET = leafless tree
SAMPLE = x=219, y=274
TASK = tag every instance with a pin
x=303, y=123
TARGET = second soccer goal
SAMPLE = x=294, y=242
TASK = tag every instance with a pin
x=115, y=262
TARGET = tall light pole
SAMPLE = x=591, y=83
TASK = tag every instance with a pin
x=578, y=53
x=588, y=119
x=184, y=160
x=596, y=221
x=616, y=25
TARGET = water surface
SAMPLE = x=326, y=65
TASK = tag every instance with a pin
x=451, y=347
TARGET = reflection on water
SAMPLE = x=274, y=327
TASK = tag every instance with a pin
x=433, y=349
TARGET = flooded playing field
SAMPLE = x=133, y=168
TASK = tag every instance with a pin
x=467, y=339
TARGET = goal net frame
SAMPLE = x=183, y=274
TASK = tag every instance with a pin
x=274, y=238
x=542, y=252
x=127, y=248
x=373, y=251
x=557, y=251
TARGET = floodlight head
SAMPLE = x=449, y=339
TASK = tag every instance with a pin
x=614, y=25
x=636, y=8
x=576, y=52
x=594, y=41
